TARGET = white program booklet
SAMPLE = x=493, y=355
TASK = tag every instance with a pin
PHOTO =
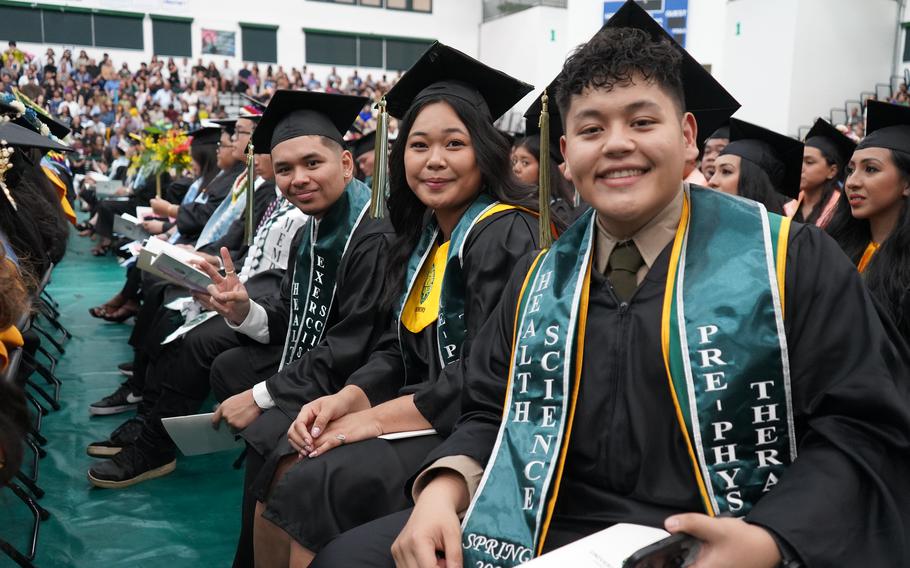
x=608, y=548
x=195, y=436
x=107, y=188
x=128, y=226
x=171, y=263
x=179, y=272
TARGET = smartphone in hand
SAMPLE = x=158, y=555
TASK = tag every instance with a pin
x=675, y=551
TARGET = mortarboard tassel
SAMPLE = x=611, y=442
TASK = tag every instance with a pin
x=250, y=188
x=380, y=163
x=546, y=237
x=5, y=165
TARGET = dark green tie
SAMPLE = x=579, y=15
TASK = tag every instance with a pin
x=622, y=269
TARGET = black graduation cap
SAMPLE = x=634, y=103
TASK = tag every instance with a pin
x=442, y=70
x=532, y=120
x=723, y=133
x=227, y=124
x=831, y=141
x=15, y=135
x=887, y=126
x=56, y=127
x=205, y=136
x=781, y=157
x=7, y=109
x=364, y=144
x=705, y=97
x=304, y=113
x=255, y=103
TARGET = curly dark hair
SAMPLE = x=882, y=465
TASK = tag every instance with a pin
x=613, y=58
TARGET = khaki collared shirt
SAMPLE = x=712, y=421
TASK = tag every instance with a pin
x=651, y=241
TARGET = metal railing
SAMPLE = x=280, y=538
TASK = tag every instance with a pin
x=493, y=9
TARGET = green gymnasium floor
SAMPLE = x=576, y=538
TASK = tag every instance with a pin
x=188, y=518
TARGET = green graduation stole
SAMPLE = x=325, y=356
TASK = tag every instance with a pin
x=450, y=327
x=316, y=269
x=725, y=353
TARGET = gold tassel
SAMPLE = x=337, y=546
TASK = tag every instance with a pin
x=380, y=163
x=158, y=185
x=543, y=182
x=250, y=188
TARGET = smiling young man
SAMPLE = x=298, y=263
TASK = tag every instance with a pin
x=339, y=249
x=677, y=354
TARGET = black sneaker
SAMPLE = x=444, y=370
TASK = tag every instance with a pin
x=126, y=369
x=123, y=436
x=131, y=466
x=122, y=400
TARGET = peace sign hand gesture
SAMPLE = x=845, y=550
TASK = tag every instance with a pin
x=227, y=295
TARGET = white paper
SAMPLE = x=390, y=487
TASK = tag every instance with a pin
x=182, y=274
x=143, y=212
x=189, y=325
x=127, y=226
x=194, y=435
x=409, y=434
x=608, y=548
x=107, y=188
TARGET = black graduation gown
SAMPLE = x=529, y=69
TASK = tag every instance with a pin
x=192, y=217
x=843, y=502
x=355, y=322
x=320, y=498
x=354, y=325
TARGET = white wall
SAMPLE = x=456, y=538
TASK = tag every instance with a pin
x=705, y=32
x=820, y=54
x=454, y=22
x=541, y=44
x=789, y=61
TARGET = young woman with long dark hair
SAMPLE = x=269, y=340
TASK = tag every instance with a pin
x=872, y=223
x=760, y=165
x=462, y=220
x=824, y=159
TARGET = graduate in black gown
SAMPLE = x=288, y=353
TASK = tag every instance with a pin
x=872, y=222
x=761, y=165
x=629, y=452
x=150, y=452
x=462, y=221
x=190, y=217
x=825, y=159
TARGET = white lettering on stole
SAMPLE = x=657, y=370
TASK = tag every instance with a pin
x=530, y=331
x=762, y=389
x=710, y=357
x=544, y=361
x=552, y=336
x=522, y=411
x=535, y=304
x=714, y=381
x=529, y=474
x=705, y=332
x=543, y=281
x=523, y=377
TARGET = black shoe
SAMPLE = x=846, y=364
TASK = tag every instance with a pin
x=122, y=400
x=123, y=436
x=126, y=369
x=131, y=466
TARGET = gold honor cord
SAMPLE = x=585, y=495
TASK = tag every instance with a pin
x=250, y=188
x=543, y=182
x=380, y=163
x=158, y=185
